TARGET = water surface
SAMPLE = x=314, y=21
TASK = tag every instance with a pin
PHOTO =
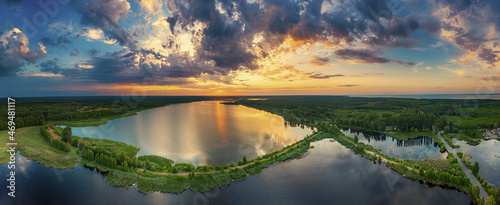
x=327, y=174
x=206, y=132
x=487, y=154
x=416, y=148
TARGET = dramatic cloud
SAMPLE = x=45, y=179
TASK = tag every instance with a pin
x=235, y=35
x=209, y=37
x=366, y=56
x=14, y=48
x=104, y=15
x=473, y=26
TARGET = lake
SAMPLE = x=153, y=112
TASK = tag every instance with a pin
x=487, y=154
x=416, y=148
x=327, y=174
x=199, y=133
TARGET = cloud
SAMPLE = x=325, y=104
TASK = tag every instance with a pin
x=473, y=26
x=323, y=76
x=56, y=41
x=151, y=6
x=47, y=75
x=75, y=52
x=104, y=15
x=490, y=78
x=458, y=71
x=237, y=35
x=489, y=55
x=50, y=66
x=14, y=51
x=366, y=56
x=347, y=86
x=93, y=52
x=319, y=61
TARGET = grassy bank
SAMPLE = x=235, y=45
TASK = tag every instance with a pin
x=4, y=139
x=32, y=146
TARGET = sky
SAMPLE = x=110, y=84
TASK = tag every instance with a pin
x=245, y=47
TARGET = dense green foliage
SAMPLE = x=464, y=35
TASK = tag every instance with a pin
x=54, y=142
x=156, y=163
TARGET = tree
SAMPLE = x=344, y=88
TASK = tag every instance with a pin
x=475, y=168
x=490, y=201
x=356, y=139
x=497, y=196
x=446, y=129
x=66, y=134
x=421, y=171
x=244, y=159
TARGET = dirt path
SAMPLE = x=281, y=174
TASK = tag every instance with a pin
x=54, y=136
x=385, y=160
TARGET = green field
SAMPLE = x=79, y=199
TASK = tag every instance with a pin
x=32, y=146
x=4, y=139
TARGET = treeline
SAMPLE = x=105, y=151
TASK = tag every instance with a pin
x=407, y=115
x=406, y=122
x=110, y=159
x=38, y=111
x=52, y=141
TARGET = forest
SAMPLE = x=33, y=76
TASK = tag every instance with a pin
x=467, y=117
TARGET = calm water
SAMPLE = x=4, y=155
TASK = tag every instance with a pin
x=328, y=174
x=205, y=132
x=487, y=154
x=417, y=148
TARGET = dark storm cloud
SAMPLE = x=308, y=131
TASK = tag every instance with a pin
x=366, y=56
x=104, y=15
x=50, y=66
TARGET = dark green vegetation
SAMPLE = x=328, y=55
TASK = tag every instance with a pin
x=464, y=118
